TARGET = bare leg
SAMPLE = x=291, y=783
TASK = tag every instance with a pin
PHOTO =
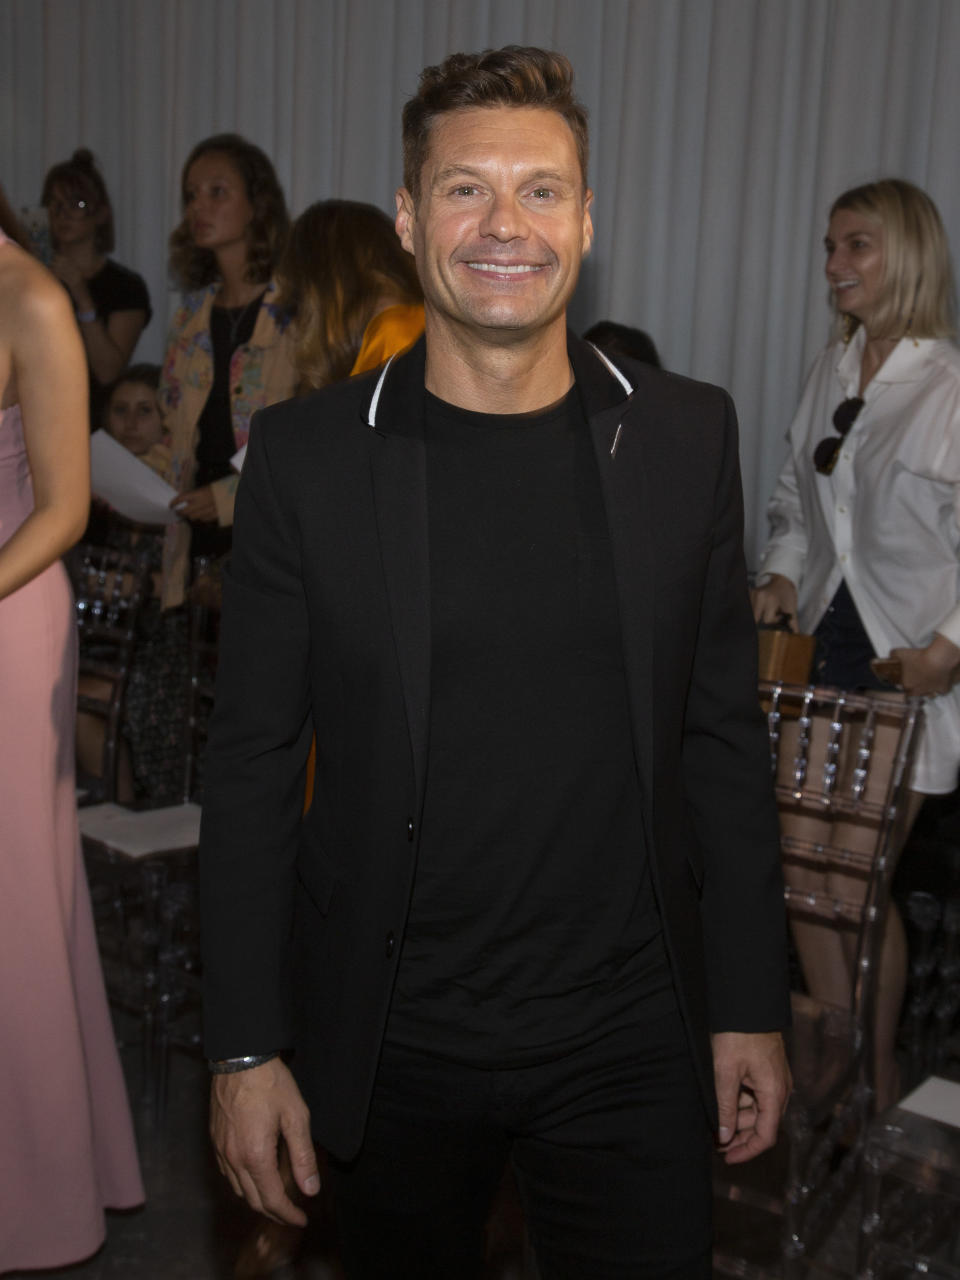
x=892, y=977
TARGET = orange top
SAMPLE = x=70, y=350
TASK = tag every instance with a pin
x=389, y=332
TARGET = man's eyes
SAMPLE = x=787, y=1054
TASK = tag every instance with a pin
x=466, y=190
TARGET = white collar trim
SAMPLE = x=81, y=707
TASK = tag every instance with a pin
x=375, y=400
x=372, y=411
x=620, y=377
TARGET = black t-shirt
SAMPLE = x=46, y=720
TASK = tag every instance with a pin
x=532, y=928
x=113, y=288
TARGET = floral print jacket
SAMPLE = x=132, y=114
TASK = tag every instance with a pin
x=261, y=373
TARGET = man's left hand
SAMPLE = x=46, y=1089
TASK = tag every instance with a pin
x=753, y=1085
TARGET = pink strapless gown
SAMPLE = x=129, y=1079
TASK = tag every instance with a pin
x=66, y=1139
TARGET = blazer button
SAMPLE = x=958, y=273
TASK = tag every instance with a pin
x=390, y=945
x=409, y=829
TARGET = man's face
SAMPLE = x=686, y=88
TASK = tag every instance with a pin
x=502, y=222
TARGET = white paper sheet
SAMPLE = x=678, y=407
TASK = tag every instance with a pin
x=139, y=834
x=129, y=485
x=936, y=1098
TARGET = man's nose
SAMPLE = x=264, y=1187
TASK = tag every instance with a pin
x=504, y=219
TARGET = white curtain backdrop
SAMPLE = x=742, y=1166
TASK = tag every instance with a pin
x=721, y=130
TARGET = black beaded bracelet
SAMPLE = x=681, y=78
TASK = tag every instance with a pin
x=226, y=1066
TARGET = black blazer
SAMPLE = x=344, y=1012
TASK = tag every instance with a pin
x=326, y=628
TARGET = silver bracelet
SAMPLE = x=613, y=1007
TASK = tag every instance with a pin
x=226, y=1066
x=86, y=317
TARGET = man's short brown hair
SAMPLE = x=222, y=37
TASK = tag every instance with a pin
x=515, y=76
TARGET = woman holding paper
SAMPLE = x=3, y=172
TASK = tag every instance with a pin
x=133, y=416
x=228, y=352
x=67, y=1147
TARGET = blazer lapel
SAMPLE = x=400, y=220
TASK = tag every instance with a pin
x=399, y=474
x=616, y=424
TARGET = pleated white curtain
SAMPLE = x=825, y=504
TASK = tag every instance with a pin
x=721, y=130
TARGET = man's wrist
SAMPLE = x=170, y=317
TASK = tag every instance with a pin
x=227, y=1066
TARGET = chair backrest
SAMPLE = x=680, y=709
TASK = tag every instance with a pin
x=841, y=766
x=109, y=587
x=204, y=602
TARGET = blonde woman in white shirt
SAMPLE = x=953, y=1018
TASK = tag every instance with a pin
x=865, y=518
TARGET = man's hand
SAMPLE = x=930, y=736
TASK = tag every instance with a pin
x=775, y=600
x=249, y=1112
x=753, y=1085
x=930, y=671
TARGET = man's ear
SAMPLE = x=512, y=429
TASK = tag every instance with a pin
x=587, y=223
x=406, y=216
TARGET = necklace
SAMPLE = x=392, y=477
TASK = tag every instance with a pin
x=235, y=317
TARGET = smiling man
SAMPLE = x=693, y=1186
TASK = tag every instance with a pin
x=534, y=912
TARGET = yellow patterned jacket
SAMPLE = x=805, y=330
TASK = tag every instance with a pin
x=261, y=373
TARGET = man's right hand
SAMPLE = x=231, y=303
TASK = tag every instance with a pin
x=249, y=1112
x=775, y=600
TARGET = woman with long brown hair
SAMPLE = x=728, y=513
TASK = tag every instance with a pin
x=352, y=289
x=228, y=352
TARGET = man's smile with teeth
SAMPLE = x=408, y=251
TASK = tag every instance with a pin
x=502, y=268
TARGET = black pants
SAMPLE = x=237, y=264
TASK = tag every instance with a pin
x=843, y=651
x=610, y=1146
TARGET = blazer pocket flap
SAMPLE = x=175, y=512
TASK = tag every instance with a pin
x=318, y=881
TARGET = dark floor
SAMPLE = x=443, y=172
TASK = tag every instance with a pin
x=190, y=1226
x=193, y=1228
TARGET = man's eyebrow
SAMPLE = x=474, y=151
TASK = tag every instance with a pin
x=550, y=175
x=456, y=171
x=468, y=171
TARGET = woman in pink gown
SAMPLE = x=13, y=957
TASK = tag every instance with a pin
x=66, y=1139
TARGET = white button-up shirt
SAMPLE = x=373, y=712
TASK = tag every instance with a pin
x=888, y=517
